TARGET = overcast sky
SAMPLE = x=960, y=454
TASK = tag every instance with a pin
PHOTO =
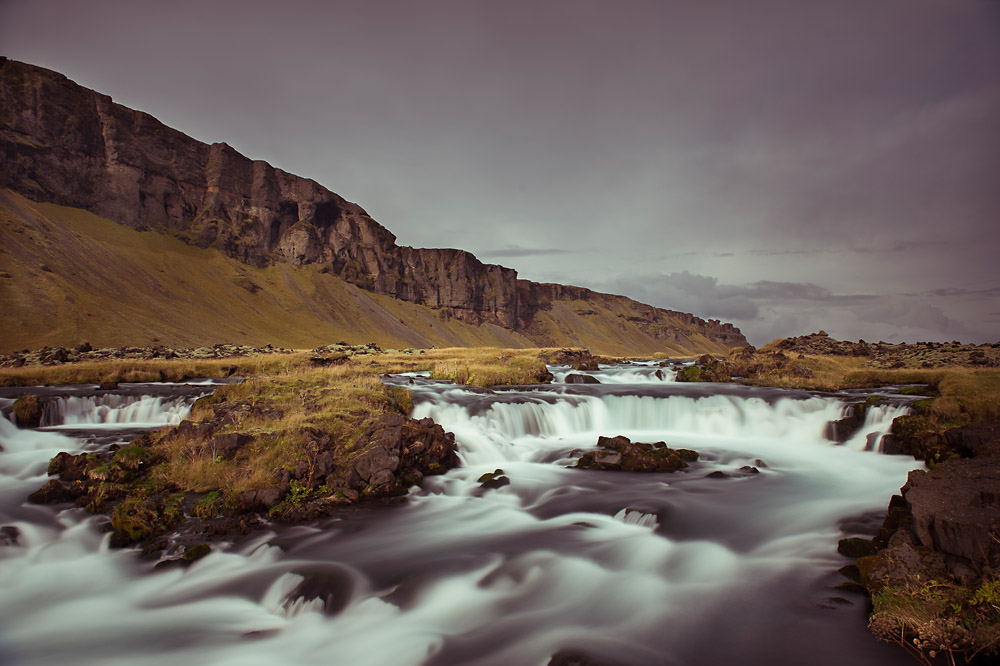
x=787, y=165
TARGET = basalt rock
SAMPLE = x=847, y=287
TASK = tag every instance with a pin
x=398, y=453
x=576, y=378
x=623, y=455
x=65, y=144
x=956, y=509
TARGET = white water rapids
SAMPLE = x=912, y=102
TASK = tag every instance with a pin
x=628, y=569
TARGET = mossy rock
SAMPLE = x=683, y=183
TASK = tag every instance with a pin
x=856, y=547
x=691, y=373
x=28, y=410
x=132, y=520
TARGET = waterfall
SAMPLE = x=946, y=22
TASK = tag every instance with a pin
x=113, y=410
x=637, y=372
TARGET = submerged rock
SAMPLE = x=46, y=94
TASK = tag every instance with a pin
x=493, y=480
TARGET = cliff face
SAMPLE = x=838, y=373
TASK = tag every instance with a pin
x=65, y=144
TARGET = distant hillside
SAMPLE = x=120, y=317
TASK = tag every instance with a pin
x=244, y=250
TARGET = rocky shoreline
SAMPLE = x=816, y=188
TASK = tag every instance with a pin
x=931, y=568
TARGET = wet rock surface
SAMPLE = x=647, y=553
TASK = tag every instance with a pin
x=623, y=455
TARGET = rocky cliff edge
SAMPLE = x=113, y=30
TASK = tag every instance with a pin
x=65, y=144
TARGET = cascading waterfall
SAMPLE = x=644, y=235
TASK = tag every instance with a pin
x=627, y=568
x=114, y=410
x=637, y=372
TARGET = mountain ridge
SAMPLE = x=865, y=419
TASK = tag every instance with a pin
x=64, y=144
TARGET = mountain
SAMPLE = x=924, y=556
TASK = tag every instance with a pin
x=276, y=255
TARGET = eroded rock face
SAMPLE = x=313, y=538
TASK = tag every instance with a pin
x=398, y=453
x=956, y=509
x=66, y=144
x=62, y=143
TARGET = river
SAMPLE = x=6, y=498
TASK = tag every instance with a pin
x=625, y=569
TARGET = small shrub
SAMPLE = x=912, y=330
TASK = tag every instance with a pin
x=208, y=506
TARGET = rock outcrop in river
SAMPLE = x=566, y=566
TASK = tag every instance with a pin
x=65, y=144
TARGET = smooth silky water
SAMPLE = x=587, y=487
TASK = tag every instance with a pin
x=626, y=568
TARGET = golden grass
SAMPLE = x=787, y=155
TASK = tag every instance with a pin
x=154, y=370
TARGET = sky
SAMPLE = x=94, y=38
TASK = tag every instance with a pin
x=785, y=165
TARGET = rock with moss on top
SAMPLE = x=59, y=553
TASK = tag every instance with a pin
x=620, y=454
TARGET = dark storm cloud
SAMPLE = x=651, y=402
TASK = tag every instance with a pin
x=766, y=310
x=516, y=251
x=804, y=152
x=728, y=300
x=957, y=291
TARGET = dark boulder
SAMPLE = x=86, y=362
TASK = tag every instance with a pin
x=956, y=509
x=856, y=547
x=229, y=443
x=69, y=467
x=576, y=378
x=493, y=480
x=262, y=498
x=621, y=454
x=53, y=492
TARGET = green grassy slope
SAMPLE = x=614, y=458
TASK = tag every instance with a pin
x=67, y=275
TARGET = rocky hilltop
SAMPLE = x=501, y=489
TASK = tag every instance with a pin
x=62, y=143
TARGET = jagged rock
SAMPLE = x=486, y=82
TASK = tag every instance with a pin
x=956, y=509
x=974, y=439
x=263, y=498
x=399, y=453
x=68, y=467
